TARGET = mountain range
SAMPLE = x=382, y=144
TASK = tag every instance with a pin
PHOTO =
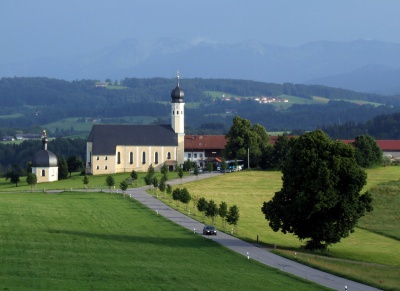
x=361, y=65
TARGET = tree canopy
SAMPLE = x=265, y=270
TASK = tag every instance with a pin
x=320, y=198
x=246, y=142
x=367, y=152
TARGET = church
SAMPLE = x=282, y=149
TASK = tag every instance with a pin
x=122, y=148
x=45, y=163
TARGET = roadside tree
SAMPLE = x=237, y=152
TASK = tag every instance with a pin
x=162, y=186
x=154, y=182
x=180, y=173
x=134, y=176
x=185, y=197
x=212, y=210
x=169, y=191
x=223, y=212
x=148, y=179
x=176, y=195
x=320, y=198
x=233, y=216
x=110, y=182
x=123, y=186
x=202, y=205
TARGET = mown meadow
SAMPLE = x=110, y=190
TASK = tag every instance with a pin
x=369, y=255
x=105, y=241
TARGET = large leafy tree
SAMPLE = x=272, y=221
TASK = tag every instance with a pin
x=367, y=152
x=320, y=198
x=245, y=140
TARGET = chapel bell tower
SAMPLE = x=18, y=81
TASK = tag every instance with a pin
x=178, y=109
x=178, y=120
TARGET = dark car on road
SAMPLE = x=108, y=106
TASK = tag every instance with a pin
x=209, y=230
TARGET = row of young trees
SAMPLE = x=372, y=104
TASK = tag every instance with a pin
x=212, y=210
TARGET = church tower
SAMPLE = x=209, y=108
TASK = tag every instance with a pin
x=178, y=119
x=177, y=109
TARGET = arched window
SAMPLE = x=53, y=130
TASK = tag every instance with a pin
x=131, y=158
x=169, y=155
x=156, y=158
x=119, y=157
x=43, y=172
x=143, y=158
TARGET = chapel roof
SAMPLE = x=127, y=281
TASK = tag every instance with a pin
x=105, y=137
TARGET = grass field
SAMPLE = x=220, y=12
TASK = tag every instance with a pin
x=102, y=241
x=366, y=256
x=376, y=253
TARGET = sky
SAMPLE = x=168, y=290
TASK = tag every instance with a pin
x=33, y=29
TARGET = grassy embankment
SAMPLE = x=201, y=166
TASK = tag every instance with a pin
x=366, y=255
x=102, y=241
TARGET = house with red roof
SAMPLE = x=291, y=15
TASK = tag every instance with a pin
x=204, y=148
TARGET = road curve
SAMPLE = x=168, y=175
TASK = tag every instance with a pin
x=247, y=249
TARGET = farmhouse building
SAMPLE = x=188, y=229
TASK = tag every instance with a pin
x=45, y=164
x=123, y=148
x=204, y=148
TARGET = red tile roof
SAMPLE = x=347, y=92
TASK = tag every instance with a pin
x=384, y=144
x=218, y=142
x=205, y=142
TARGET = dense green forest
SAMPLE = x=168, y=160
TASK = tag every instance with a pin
x=23, y=153
x=379, y=127
x=28, y=104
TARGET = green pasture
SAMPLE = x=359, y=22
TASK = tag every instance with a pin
x=366, y=246
x=102, y=241
x=17, y=115
x=67, y=123
x=74, y=183
x=219, y=94
x=373, y=248
x=360, y=102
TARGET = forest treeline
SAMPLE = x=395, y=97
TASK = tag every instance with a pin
x=23, y=153
x=30, y=103
x=380, y=127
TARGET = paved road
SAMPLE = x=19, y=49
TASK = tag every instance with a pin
x=244, y=248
